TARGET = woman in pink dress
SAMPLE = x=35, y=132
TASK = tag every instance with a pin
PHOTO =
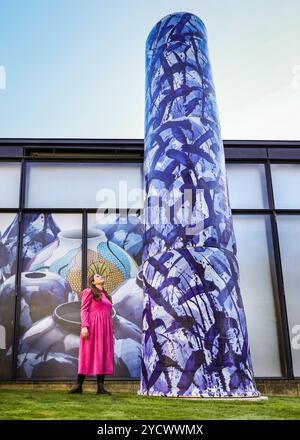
x=96, y=347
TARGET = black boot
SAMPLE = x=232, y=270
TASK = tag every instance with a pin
x=100, y=382
x=77, y=389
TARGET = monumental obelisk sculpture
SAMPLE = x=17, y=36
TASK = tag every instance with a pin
x=195, y=340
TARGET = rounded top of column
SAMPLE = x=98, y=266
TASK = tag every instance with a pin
x=178, y=26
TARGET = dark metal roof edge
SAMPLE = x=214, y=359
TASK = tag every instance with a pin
x=134, y=142
x=67, y=141
x=261, y=143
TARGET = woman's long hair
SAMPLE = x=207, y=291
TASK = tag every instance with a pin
x=97, y=295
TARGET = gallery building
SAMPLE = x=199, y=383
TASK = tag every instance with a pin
x=72, y=207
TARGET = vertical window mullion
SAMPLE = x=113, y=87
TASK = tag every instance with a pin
x=280, y=281
x=84, y=249
x=18, y=271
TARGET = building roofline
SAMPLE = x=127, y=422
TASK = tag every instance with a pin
x=135, y=142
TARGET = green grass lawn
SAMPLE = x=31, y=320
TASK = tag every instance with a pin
x=43, y=404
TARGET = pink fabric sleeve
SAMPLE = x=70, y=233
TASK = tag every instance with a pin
x=86, y=300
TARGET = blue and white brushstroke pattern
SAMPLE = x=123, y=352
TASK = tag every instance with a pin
x=195, y=340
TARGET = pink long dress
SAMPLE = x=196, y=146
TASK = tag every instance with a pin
x=96, y=353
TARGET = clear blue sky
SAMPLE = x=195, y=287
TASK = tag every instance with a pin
x=75, y=68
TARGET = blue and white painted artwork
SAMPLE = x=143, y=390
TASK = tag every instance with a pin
x=195, y=340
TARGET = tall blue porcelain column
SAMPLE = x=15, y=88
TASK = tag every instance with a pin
x=195, y=340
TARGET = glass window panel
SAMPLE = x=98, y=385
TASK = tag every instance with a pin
x=289, y=238
x=105, y=185
x=247, y=186
x=9, y=184
x=259, y=292
x=51, y=281
x=115, y=245
x=286, y=185
x=8, y=257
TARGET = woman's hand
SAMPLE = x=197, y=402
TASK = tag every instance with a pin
x=84, y=332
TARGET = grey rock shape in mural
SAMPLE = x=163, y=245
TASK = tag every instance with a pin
x=39, y=231
x=49, y=348
x=195, y=340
